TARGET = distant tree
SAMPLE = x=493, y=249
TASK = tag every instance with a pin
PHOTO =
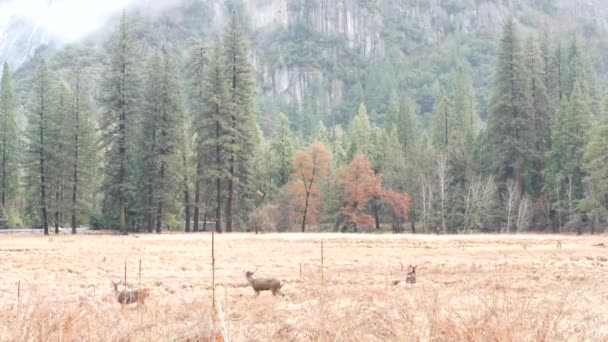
x=407, y=124
x=360, y=185
x=596, y=167
x=509, y=124
x=212, y=124
x=57, y=161
x=282, y=147
x=565, y=171
x=360, y=133
x=541, y=113
x=8, y=139
x=310, y=167
x=119, y=101
x=198, y=64
x=41, y=112
x=444, y=123
x=160, y=139
x=399, y=204
x=81, y=149
x=241, y=108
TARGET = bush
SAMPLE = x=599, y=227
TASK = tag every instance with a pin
x=263, y=219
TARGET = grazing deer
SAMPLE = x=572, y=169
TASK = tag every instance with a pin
x=262, y=284
x=130, y=296
x=411, y=276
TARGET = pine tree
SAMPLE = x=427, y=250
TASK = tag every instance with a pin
x=510, y=111
x=150, y=140
x=443, y=129
x=168, y=137
x=241, y=92
x=556, y=76
x=541, y=113
x=81, y=150
x=360, y=134
x=119, y=104
x=214, y=128
x=467, y=120
x=57, y=166
x=402, y=117
x=569, y=138
x=41, y=112
x=282, y=147
x=596, y=166
x=198, y=63
x=8, y=139
x=160, y=139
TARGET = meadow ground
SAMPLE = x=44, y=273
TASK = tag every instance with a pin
x=473, y=288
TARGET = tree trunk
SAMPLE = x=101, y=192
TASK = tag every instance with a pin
x=230, y=199
x=305, y=212
x=149, y=216
x=75, y=179
x=187, y=203
x=218, y=180
x=45, y=222
x=4, y=158
x=57, y=213
x=159, y=213
x=197, y=193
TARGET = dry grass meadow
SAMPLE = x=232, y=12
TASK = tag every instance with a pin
x=470, y=288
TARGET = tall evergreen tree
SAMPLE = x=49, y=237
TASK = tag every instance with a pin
x=168, y=137
x=596, y=166
x=241, y=109
x=57, y=163
x=214, y=128
x=360, y=134
x=283, y=148
x=8, y=139
x=541, y=113
x=41, y=112
x=198, y=63
x=565, y=161
x=152, y=110
x=81, y=150
x=444, y=124
x=160, y=138
x=510, y=111
x=402, y=118
x=119, y=104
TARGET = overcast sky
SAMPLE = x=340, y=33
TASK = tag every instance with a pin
x=66, y=20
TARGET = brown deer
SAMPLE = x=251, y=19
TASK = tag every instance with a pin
x=130, y=296
x=264, y=284
x=411, y=276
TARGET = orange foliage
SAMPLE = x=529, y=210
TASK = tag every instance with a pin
x=359, y=184
x=399, y=203
x=310, y=168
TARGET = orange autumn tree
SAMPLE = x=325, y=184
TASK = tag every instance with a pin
x=399, y=204
x=359, y=185
x=310, y=169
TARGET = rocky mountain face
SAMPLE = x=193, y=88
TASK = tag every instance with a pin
x=334, y=45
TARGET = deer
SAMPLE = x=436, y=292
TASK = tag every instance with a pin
x=264, y=284
x=130, y=296
x=411, y=276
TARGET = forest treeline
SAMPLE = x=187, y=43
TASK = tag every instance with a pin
x=153, y=150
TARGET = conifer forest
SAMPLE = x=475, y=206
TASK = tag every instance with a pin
x=198, y=117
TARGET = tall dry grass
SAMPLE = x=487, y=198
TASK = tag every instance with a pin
x=469, y=289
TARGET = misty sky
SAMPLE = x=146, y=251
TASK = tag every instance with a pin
x=65, y=20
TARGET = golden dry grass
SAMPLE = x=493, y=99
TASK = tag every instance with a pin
x=472, y=288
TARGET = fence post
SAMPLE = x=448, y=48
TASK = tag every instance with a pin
x=18, y=295
x=322, y=265
x=125, y=283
